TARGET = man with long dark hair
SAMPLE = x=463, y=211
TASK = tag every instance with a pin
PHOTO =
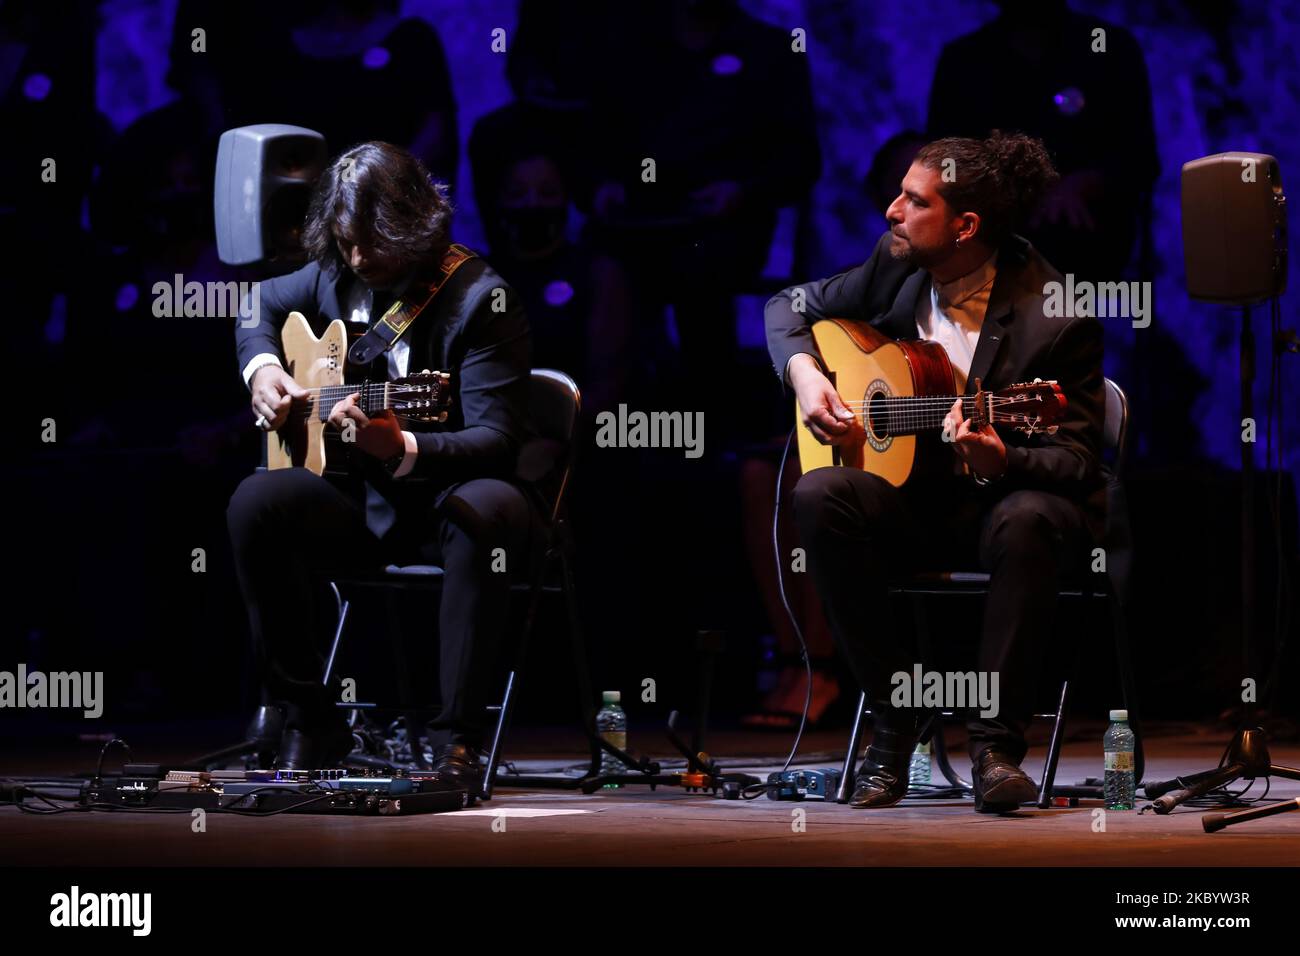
x=376, y=233
x=951, y=270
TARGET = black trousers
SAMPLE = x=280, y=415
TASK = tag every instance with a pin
x=859, y=531
x=293, y=531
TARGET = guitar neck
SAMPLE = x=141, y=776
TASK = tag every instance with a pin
x=320, y=401
x=908, y=415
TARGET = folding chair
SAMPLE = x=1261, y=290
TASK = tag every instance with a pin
x=547, y=464
x=1112, y=586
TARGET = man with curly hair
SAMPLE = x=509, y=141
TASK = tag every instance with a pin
x=376, y=232
x=952, y=270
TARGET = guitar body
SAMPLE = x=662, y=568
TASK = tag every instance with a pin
x=864, y=364
x=313, y=363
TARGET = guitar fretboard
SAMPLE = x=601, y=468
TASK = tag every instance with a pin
x=907, y=415
x=319, y=402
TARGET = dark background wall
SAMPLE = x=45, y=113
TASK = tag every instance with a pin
x=105, y=522
x=1223, y=77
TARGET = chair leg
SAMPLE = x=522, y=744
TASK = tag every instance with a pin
x=562, y=553
x=508, y=698
x=498, y=736
x=851, y=757
x=1047, y=785
x=1054, y=749
x=342, y=606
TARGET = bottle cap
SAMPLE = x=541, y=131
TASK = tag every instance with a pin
x=611, y=697
x=1119, y=715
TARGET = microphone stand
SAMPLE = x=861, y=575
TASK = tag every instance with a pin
x=1247, y=756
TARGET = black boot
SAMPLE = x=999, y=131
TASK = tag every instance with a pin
x=883, y=777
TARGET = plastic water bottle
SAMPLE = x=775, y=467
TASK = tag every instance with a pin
x=1118, y=744
x=919, y=771
x=611, y=724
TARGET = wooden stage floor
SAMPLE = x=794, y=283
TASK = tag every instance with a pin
x=669, y=827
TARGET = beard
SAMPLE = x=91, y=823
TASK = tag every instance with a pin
x=903, y=251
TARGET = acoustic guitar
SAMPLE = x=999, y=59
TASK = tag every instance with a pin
x=318, y=365
x=898, y=392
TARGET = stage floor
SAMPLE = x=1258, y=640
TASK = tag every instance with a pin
x=669, y=827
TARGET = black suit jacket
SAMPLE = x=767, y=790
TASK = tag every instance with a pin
x=1017, y=343
x=486, y=350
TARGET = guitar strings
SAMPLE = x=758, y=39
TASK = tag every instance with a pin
x=932, y=400
x=901, y=406
x=899, y=412
x=897, y=405
x=310, y=404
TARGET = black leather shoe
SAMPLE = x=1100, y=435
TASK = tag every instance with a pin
x=1000, y=785
x=879, y=785
x=335, y=743
x=883, y=777
x=266, y=726
x=461, y=765
x=297, y=751
x=315, y=747
x=265, y=730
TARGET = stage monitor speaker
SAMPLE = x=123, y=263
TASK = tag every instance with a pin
x=264, y=178
x=1234, y=228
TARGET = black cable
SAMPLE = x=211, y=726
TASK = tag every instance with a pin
x=936, y=791
x=927, y=791
x=99, y=768
x=1221, y=797
x=780, y=586
x=240, y=797
x=230, y=808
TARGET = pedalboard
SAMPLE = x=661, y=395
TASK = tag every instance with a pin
x=803, y=785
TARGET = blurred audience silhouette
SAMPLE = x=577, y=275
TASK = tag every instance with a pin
x=1080, y=85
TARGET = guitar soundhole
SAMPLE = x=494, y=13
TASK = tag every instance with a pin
x=877, y=419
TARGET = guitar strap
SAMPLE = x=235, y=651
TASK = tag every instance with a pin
x=383, y=334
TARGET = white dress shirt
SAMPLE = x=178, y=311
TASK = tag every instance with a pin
x=954, y=315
